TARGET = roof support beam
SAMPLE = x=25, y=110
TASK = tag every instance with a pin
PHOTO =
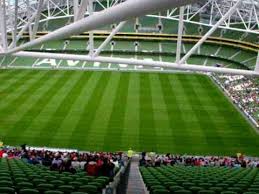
x=180, y=35
x=37, y=18
x=210, y=32
x=15, y=22
x=121, y=12
x=109, y=38
x=3, y=25
x=29, y=16
x=91, y=34
x=169, y=65
x=75, y=7
x=81, y=11
x=257, y=63
x=25, y=27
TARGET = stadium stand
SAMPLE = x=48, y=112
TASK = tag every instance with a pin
x=210, y=175
x=35, y=171
x=244, y=92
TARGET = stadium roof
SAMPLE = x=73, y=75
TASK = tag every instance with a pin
x=17, y=16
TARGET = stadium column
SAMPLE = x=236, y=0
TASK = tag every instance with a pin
x=37, y=18
x=81, y=11
x=15, y=22
x=3, y=24
x=75, y=6
x=180, y=34
x=257, y=63
x=210, y=32
x=29, y=16
x=91, y=34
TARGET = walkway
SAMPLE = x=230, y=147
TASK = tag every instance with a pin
x=135, y=182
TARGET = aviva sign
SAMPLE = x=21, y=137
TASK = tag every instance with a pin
x=54, y=62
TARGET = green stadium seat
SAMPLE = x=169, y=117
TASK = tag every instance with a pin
x=229, y=192
x=25, y=185
x=7, y=190
x=20, y=179
x=66, y=179
x=75, y=184
x=50, y=178
x=175, y=188
x=98, y=185
x=206, y=192
x=82, y=180
x=88, y=189
x=45, y=187
x=37, y=181
x=157, y=187
x=53, y=192
x=205, y=185
x=195, y=189
x=183, y=192
x=77, y=192
x=57, y=183
x=160, y=191
x=254, y=189
x=67, y=189
x=216, y=189
x=187, y=185
x=235, y=189
x=29, y=191
x=5, y=183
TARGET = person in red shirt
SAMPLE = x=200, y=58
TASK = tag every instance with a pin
x=1, y=153
x=92, y=168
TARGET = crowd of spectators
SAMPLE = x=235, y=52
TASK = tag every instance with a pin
x=244, y=91
x=155, y=160
x=95, y=164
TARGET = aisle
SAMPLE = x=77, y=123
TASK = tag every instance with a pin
x=135, y=182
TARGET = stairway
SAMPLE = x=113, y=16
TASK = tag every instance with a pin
x=135, y=182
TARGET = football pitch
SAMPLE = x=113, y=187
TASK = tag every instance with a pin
x=113, y=111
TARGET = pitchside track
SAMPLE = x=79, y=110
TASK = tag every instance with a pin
x=113, y=111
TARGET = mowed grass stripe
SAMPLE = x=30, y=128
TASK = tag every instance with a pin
x=8, y=74
x=181, y=139
x=7, y=80
x=117, y=117
x=30, y=85
x=161, y=118
x=130, y=133
x=67, y=127
x=205, y=118
x=147, y=131
x=10, y=90
x=42, y=111
x=53, y=125
x=26, y=112
x=60, y=105
x=80, y=133
x=99, y=126
x=192, y=123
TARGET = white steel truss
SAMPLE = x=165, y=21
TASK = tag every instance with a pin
x=19, y=16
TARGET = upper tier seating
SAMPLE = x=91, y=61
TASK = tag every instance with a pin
x=18, y=176
x=200, y=180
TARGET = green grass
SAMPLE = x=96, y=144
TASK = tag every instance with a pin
x=109, y=111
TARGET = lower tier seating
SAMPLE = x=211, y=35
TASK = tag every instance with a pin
x=200, y=180
x=17, y=176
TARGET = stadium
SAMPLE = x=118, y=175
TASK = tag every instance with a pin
x=129, y=96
